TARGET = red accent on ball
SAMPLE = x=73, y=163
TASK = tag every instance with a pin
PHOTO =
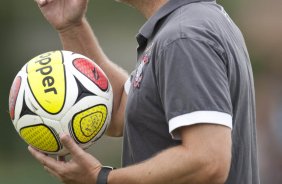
x=92, y=72
x=14, y=95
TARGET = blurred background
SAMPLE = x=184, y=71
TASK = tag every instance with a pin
x=24, y=33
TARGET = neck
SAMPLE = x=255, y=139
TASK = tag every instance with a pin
x=148, y=7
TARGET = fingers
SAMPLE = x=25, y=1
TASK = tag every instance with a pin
x=37, y=155
x=61, y=158
x=71, y=146
x=50, y=171
x=43, y=2
x=45, y=160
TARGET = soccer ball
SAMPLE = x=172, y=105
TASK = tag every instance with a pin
x=56, y=92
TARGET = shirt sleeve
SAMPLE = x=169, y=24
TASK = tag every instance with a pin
x=193, y=85
x=128, y=83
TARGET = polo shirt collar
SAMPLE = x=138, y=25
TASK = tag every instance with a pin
x=148, y=28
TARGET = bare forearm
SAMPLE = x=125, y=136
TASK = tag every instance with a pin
x=81, y=39
x=203, y=157
x=176, y=165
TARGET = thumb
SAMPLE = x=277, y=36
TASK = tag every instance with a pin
x=71, y=146
x=41, y=2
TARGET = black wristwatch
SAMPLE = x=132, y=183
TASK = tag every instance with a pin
x=103, y=174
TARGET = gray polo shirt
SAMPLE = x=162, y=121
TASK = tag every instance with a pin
x=193, y=67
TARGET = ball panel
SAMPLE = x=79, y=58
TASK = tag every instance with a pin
x=84, y=80
x=40, y=137
x=19, y=97
x=14, y=95
x=92, y=72
x=46, y=79
x=88, y=123
x=25, y=110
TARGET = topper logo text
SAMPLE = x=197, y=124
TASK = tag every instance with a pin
x=46, y=70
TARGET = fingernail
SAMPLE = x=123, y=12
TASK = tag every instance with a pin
x=63, y=134
x=41, y=2
x=30, y=149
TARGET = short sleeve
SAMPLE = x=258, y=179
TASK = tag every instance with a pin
x=193, y=85
x=128, y=82
x=127, y=86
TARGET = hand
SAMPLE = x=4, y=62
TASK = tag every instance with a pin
x=83, y=168
x=63, y=14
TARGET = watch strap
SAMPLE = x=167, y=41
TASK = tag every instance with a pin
x=103, y=174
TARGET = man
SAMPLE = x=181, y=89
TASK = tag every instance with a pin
x=187, y=111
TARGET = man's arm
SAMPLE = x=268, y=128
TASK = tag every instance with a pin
x=68, y=18
x=81, y=39
x=203, y=157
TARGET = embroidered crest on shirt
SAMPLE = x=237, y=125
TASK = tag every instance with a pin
x=140, y=70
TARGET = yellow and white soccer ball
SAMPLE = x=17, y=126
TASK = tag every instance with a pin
x=56, y=92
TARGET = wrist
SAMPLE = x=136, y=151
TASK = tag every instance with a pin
x=73, y=28
x=103, y=174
